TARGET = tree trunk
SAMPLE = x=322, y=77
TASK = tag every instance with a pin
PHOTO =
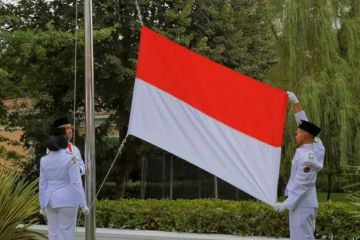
x=120, y=185
x=123, y=166
x=329, y=186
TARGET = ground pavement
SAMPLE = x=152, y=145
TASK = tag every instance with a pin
x=124, y=234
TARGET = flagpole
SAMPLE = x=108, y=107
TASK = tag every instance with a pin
x=90, y=219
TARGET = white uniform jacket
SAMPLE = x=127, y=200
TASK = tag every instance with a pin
x=307, y=162
x=60, y=182
x=76, y=152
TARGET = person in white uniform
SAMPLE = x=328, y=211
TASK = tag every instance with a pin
x=60, y=189
x=63, y=122
x=301, y=190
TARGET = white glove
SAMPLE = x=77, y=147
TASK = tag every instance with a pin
x=85, y=210
x=42, y=212
x=279, y=207
x=292, y=97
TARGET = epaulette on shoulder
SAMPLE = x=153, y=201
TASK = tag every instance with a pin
x=68, y=152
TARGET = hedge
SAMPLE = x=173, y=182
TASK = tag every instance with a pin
x=245, y=218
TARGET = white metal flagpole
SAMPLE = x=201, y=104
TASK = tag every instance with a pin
x=90, y=176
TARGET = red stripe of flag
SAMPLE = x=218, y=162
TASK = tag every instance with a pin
x=236, y=100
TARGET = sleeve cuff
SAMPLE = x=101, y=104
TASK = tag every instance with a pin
x=300, y=116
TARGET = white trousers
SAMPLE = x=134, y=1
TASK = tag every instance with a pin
x=61, y=223
x=302, y=223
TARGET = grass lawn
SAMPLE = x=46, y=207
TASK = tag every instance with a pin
x=335, y=197
x=322, y=197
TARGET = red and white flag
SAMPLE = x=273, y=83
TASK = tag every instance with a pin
x=211, y=116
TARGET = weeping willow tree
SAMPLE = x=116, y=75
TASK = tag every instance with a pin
x=319, y=48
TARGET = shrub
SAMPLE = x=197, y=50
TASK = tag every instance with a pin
x=335, y=220
x=245, y=218
x=18, y=204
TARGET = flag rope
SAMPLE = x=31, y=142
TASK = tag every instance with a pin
x=139, y=13
x=108, y=172
x=75, y=69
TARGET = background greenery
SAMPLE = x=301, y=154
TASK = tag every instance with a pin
x=245, y=218
x=318, y=43
x=37, y=61
x=18, y=205
x=311, y=47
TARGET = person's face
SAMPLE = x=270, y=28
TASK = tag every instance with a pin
x=300, y=136
x=68, y=129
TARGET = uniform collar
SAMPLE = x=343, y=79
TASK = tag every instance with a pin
x=307, y=146
x=55, y=152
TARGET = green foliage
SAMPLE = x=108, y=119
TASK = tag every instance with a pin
x=318, y=41
x=337, y=220
x=335, y=197
x=37, y=59
x=355, y=199
x=201, y=216
x=9, y=155
x=18, y=203
x=353, y=189
x=219, y=216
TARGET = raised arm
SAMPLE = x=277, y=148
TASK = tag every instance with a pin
x=299, y=113
x=294, y=101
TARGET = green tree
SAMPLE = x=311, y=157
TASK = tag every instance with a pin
x=318, y=42
x=38, y=57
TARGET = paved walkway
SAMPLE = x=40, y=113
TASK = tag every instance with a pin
x=124, y=234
